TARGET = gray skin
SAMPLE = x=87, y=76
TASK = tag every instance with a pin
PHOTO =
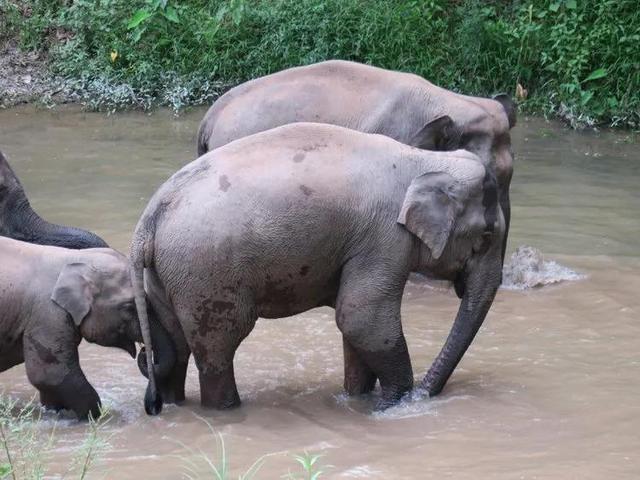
x=310, y=215
x=400, y=105
x=19, y=221
x=50, y=299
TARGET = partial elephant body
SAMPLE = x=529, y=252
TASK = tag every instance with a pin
x=51, y=298
x=402, y=106
x=307, y=215
x=19, y=221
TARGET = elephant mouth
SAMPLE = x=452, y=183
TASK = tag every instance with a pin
x=129, y=347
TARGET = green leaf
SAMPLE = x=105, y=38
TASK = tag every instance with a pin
x=138, y=17
x=554, y=7
x=171, y=14
x=571, y=4
x=595, y=75
x=5, y=470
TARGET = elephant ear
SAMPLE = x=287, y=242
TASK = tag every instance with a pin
x=509, y=107
x=439, y=134
x=73, y=291
x=429, y=210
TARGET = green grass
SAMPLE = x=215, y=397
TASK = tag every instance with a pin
x=577, y=59
x=26, y=444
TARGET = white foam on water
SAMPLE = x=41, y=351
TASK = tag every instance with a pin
x=527, y=268
x=360, y=471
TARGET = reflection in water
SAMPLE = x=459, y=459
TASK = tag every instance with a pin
x=549, y=389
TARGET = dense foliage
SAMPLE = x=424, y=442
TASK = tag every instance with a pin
x=577, y=58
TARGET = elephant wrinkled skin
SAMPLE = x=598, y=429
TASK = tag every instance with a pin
x=307, y=215
x=400, y=105
x=19, y=221
x=50, y=299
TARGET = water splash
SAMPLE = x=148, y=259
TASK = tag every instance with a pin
x=527, y=268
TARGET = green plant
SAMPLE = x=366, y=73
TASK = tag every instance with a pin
x=310, y=468
x=25, y=446
x=578, y=60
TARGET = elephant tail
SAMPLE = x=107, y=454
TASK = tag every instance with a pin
x=141, y=254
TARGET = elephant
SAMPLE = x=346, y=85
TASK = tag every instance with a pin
x=403, y=106
x=19, y=221
x=50, y=299
x=308, y=215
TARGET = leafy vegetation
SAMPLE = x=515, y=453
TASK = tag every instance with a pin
x=25, y=444
x=576, y=59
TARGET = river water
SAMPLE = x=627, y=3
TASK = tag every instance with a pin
x=550, y=389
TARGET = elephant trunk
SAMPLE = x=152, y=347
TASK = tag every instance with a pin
x=481, y=283
x=26, y=225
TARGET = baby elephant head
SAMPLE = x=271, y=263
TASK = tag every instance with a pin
x=97, y=294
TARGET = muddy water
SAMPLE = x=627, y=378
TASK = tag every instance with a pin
x=549, y=389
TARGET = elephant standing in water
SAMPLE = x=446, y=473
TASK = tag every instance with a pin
x=310, y=215
x=54, y=297
x=402, y=106
x=19, y=221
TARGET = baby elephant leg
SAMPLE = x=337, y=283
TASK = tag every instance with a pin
x=358, y=377
x=55, y=371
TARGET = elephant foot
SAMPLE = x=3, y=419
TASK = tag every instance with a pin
x=358, y=377
x=390, y=398
x=219, y=390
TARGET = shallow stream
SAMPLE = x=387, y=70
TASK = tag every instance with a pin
x=550, y=389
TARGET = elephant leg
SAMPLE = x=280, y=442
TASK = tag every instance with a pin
x=358, y=377
x=369, y=318
x=57, y=375
x=213, y=344
x=50, y=401
x=172, y=387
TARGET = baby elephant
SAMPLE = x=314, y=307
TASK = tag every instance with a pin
x=50, y=299
x=307, y=215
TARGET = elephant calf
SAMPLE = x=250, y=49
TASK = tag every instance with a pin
x=307, y=215
x=50, y=299
x=19, y=221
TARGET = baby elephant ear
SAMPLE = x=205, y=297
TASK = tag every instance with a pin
x=439, y=134
x=429, y=210
x=73, y=291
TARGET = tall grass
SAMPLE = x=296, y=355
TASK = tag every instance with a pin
x=25, y=445
x=579, y=59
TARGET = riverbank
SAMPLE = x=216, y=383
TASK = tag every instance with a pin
x=577, y=61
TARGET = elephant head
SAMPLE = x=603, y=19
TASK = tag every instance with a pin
x=19, y=221
x=481, y=126
x=461, y=229
x=97, y=294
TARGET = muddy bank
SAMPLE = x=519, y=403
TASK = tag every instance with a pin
x=24, y=78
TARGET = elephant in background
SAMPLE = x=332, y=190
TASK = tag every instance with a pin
x=52, y=298
x=400, y=105
x=308, y=215
x=19, y=221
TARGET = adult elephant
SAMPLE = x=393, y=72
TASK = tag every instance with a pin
x=19, y=221
x=402, y=106
x=52, y=298
x=306, y=215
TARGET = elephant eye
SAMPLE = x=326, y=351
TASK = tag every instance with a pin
x=128, y=307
